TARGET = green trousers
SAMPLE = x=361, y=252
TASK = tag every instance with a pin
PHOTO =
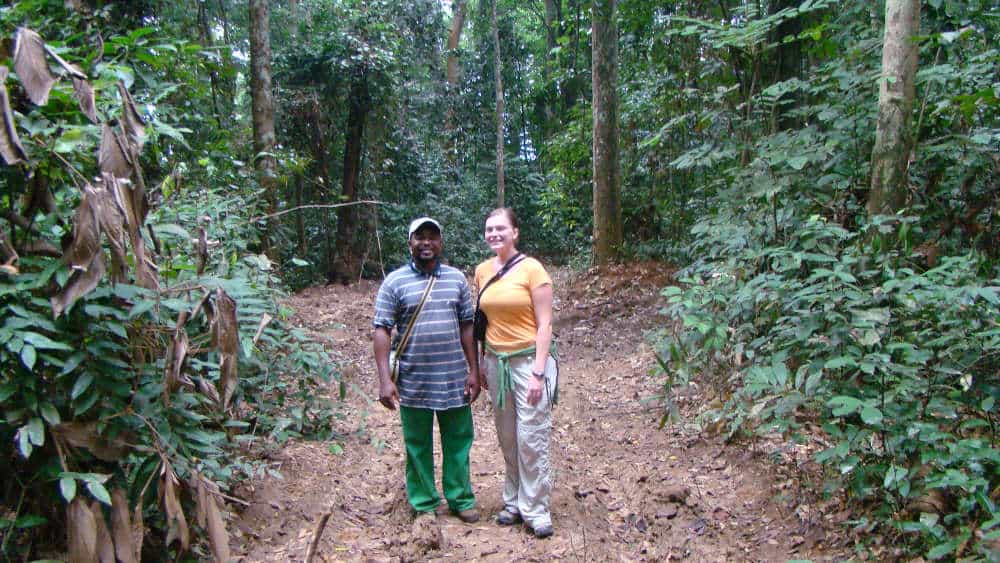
x=456, y=441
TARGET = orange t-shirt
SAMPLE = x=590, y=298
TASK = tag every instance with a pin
x=507, y=304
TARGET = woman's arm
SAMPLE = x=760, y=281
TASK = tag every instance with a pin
x=541, y=301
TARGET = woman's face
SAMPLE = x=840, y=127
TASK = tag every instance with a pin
x=500, y=234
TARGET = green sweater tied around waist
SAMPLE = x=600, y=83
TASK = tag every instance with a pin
x=503, y=371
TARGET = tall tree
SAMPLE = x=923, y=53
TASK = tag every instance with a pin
x=500, y=108
x=893, y=138
x=348, y=263
x=607, y=169
x=262, y=102
x=454, y=37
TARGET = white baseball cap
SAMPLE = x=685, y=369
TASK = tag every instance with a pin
x=420, y=222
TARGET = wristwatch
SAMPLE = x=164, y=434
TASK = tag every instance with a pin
x=538, y=375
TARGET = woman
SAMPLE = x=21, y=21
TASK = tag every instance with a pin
x=520, y=370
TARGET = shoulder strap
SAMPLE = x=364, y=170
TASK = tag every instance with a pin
x=413, y=321
x=506, y=267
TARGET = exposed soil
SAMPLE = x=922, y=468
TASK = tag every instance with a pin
x=624, y=489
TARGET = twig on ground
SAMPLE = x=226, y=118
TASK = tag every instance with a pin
x=317, y=534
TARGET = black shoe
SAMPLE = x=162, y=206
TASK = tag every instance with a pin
x=507, y=518
x=543, y=531
x=469, y=516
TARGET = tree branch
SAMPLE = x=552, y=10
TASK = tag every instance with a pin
x=317, y=206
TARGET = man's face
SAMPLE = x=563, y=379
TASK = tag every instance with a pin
x=426, y=243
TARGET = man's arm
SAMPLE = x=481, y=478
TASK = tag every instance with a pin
x=388, y=394
x=472, y=384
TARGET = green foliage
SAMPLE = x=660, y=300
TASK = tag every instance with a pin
x=88, y=405
x=881, y=333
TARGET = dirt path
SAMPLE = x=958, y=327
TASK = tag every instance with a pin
x=623, y=489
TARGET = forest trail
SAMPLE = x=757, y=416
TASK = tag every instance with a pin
x=624, y=490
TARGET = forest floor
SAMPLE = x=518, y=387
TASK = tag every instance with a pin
x=625, y=490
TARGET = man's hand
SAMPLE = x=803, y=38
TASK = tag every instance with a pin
x=388, y=394
x=472, y=386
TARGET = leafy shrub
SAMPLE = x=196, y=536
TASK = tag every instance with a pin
x=134, y=389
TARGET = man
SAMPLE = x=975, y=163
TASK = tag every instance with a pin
x=433, y=379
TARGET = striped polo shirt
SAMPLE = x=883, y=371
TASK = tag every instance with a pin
x=432, y=369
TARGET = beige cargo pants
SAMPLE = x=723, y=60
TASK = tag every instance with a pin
x=523, y=431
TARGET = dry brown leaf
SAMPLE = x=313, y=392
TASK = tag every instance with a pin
x=81, y=532
x=80, y=283
x=199, y=485
x=84, y=93
x=177, y=526
x=121, y=527
x=112, y=222
x=208, y=390
x=10, y=143
x=84, y=435
x=175, y=364
x=138, y=530
x=265, y=320
x=105, y=546
x=132, y=123
x=218, y=537
x=225, y=337
x=86, y=241
x=31, y=67
x=112, y=156
x=202, y=250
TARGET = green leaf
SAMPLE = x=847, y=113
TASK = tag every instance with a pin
x=82, y=384
x=141, y=307
x=871, y=415
x=843, y=405
x=50, y=413
x=72, y=363
x=99, y=492
x=67, y=486
x=942, y=550
x=840, y=362
x=43, y=342
x=6, y=390
x=30, y=521
x=23, y=442
x=28, y=356
x=893, y=475
x=798, y=162
x=36, y=431
x=336, y=449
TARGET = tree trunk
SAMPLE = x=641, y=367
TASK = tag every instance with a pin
x=500, y=110
x=457, y=23
x=262, y=101
x=347, y=265
x=607, y=171
x=553, y=30
x=205, y=35
x=893, y=138
x=787, y=62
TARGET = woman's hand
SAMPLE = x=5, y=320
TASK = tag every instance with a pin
x=535, y=386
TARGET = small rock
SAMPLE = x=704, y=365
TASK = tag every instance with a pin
x=676, y=493
x=669, y=511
